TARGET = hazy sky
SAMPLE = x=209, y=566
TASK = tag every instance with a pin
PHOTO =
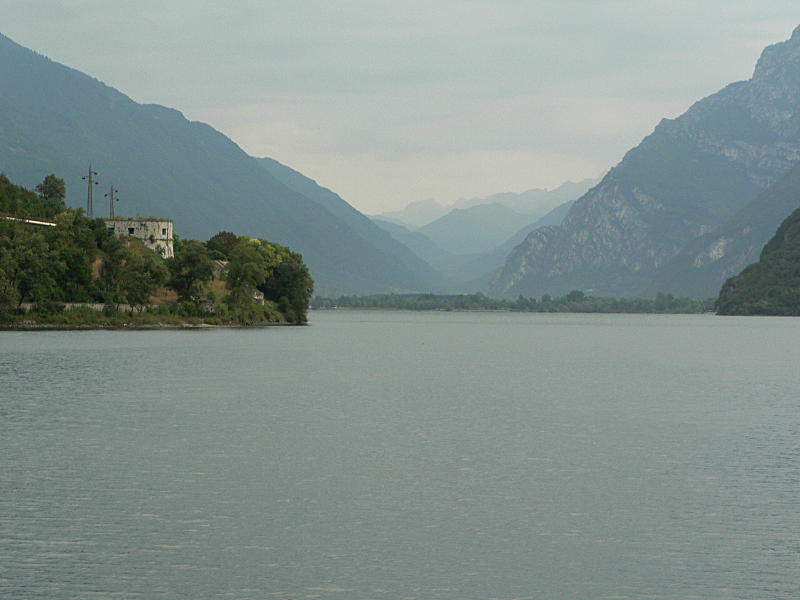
x=392, y=102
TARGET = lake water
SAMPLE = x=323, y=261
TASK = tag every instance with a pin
x=389, y=455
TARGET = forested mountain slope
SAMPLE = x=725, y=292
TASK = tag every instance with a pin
x=772, y=285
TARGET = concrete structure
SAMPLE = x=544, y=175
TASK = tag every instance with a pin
x=155, y=233
x=219, y=268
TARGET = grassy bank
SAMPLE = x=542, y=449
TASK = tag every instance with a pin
x=159, y=317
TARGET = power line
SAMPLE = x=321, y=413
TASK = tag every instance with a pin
x=111, y=200
x=89, y=183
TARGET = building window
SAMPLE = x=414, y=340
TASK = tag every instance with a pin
x=164, y=231
x=130, y=230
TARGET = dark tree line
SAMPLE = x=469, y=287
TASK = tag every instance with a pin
x=574, y=301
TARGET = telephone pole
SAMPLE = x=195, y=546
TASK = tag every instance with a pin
x=89, y=183
x=111, y=200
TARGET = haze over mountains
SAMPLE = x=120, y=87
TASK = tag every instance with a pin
x=478, y=225
x=471, y=240
x=54, y=119
x=687, y=208
x=533, y=203
x=690, y=177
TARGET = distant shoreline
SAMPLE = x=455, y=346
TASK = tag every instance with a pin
x=502, y=310
x=397, y=309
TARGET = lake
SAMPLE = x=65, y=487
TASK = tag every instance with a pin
x=394, y=455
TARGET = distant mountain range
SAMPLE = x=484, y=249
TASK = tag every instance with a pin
x=54, y=119
x=472, y=239
x=476, y=229
x=536, y=202
x=675, y=215
x=533, y=203
x=416, y=214
x=469, y=271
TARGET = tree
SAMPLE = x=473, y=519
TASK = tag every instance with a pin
x=9, y=296
x=9, y=293
x=575, y=296
x=663, y=302
x=51, y=197
x=273, y=269
x=52, y=187
x=223, y=243
x=290, y=286
x=247, y=270
x=75, y=280
x=16, y=200
x=131, y=273
x=190, y=270
x=29, y=265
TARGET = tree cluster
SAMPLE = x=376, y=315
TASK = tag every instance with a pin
x=48, y=265
x=17, y=201
x=81, y=261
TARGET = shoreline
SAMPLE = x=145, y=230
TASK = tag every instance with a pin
x=135, y=326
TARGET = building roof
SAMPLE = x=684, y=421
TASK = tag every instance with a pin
x=137, y=219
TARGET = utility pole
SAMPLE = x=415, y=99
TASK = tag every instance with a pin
x=111, y=200
x=89, y=183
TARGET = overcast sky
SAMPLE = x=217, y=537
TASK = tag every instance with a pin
x=392, y=102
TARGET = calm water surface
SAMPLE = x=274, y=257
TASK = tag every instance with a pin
x=381, y=455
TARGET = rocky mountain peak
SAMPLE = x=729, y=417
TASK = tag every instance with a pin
x=779, y=60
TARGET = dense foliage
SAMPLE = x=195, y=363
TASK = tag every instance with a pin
x=222, y=244
x=772, y=285
x=575, y=301
x=190, y=270
x=42, y=264
x=273, y=270
x=79, y=260
x=16, y=200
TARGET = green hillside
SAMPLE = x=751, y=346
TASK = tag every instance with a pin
x=772, y=285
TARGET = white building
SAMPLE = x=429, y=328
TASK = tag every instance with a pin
x=155, y=233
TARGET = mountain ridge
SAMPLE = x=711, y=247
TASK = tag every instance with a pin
x=535, y=202
x=468, y=272
x=55, y=119
x=687, y=177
